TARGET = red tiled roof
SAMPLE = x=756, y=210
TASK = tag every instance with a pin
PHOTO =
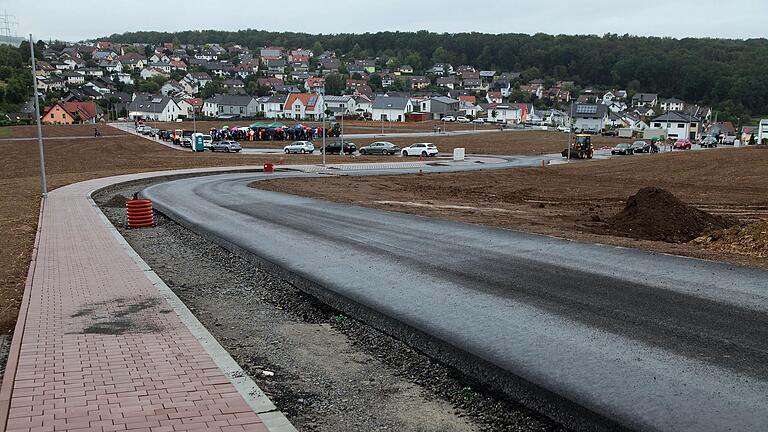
x=309, y=100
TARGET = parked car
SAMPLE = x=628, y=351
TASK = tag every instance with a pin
x=682, y=145
x=420, y=149
x=164, y=135
x=610, y=132
x=462, y=119
x=709, y=142
x=622, y=149
x=336, y=147
x=478, y=121
x=225, y=146
x=299, y=147
x=641, y=147
x=729, y=140
x=207, y=141
x=380, y=147
x=564, y=129
x=449, y=119
x=140, y=128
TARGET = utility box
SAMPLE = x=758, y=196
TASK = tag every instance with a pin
x=458, y=154
x=198, y=142
x=625, y=133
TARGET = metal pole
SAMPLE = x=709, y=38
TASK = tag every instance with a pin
x=570, y=130
x=344, y=111
x=194, y=122
x=323, y=127
x=37, y=115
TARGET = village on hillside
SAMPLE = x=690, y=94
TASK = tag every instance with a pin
x=105, y=81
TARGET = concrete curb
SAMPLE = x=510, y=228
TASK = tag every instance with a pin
x=274, y=420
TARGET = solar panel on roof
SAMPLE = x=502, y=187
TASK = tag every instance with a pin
x=586, y=109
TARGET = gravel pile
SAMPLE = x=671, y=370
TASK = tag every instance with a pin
x=326, y=371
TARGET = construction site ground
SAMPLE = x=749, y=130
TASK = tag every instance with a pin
x=77, y=159
x=570, y=200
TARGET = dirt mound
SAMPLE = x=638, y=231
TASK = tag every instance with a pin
x=116, y=201
x=749, y=240
x=655, y=214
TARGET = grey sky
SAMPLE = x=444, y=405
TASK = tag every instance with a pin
x=85, y=19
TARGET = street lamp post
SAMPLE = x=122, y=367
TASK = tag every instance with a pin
x=323, y=129
x=570, y=130
x=37, y=115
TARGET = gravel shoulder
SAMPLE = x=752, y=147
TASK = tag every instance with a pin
x=331, y=372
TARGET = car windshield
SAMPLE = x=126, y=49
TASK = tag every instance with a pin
x=622, y=146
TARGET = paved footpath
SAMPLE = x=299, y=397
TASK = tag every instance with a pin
x=102, y=345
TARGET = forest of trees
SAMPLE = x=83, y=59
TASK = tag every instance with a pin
x=727, y=74
x=15, y=78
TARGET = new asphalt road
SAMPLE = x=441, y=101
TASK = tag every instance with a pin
x=590, y=334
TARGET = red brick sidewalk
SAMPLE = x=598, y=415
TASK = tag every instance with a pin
x=98, y=348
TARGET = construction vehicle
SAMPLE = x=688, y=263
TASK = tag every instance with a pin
x=333, y=130
x=580, y=148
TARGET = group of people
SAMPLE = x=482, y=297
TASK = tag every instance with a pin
x=267, y=134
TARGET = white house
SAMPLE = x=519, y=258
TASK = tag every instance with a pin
x=678, y=125
x=672, y=104
x=185, y=106
x=124, y=78
x=155, y=108
x=391, y=108
x=363, y=105
x=507, y=113
x=589, y=117
x=340, y=105
x=304, y=106
x=152, y=72
x=648, y=100
x=272, y=106
x=231, y=106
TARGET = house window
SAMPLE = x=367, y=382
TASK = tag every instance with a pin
x=657, y=125
x=680, y=125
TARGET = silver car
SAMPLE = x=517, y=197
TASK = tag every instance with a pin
x=380, y=147
x=299, y=147
x=226, y=146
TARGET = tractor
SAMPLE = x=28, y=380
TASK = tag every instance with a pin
x=581, y=147
x=334, y=130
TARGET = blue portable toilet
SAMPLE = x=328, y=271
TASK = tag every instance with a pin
x=198, y=143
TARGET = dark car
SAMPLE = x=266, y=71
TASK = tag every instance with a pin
x=380, y=147
x=640, y=147
x=709, y=142
x=622, y=149
x=335, y=148
x=164, y=135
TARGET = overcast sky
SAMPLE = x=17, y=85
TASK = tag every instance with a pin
x=74, y=20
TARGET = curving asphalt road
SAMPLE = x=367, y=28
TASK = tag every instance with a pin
x=640, y=340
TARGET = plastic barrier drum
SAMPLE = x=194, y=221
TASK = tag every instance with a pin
x=268, y=167
x=139, y=213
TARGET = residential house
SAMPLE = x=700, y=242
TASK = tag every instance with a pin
x=678, y=125
x=388, y=80
x=71, y=113
x=178, y=65
x=124, y=78
x=199, y=79
x=441, y=69
x=534, y=90
x=507, y=113
x=163, y=66
x=672, y=104
x=271, y=106
x=405, y=69
x=172, y=88
x=589, y=117
x=111, y=66
x=271, y=53
x=439, y=107
x=450, y=82
x=73, y=78
x=363, y=105
x=329, y=65
x=487, y=76
x=133, y=61
x=315, y=85
x=276, y=68
x=155, y=108
x=339, y=105
x=494, y=97
x=153, y=72
x=419, y=82
x=230, y=106
x=73, y=62
x=367, y=65
x=645, y=100
x=391, y=108
x=234, y=86
x=501, y=85
x=304, y=106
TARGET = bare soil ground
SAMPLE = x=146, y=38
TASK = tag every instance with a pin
x=57, y=131
x=506, y=143
x=571, y=201
x=70, y=161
